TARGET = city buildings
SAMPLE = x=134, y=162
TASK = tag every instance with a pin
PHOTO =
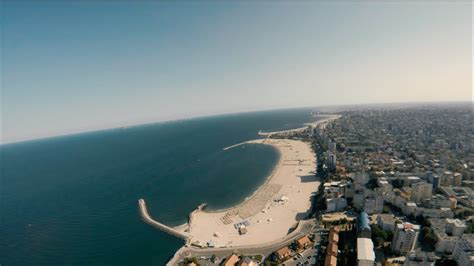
x=405, y=237
x=463, y=252
x=420, y=191
x=386, y=222
x=447, y=232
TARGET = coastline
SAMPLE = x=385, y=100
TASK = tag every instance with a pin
x=276, y=206
x=267, y=179
x=273, y=212
x=300, y=129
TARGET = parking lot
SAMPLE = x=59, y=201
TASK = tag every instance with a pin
x=307, y=257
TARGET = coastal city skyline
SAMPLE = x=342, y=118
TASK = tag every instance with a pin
x=236, y=133
x=75, y=67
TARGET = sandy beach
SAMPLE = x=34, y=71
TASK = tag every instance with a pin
x=327, y=118
x=277, y=206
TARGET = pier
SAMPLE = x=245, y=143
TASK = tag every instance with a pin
x=147, y=218
x=235, y=145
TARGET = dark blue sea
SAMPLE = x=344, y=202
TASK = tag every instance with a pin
x=72, y=200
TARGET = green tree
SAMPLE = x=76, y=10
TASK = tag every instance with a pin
x=389, y=236
x=427, y=236
x=470, y=228
x=397, y=183
x=378, y=235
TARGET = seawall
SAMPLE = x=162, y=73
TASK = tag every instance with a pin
x=147, y=218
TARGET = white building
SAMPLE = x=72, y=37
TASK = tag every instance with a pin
x=409, y=208
x=409, y=180
x=405, y=237
x=386, y=222
x=365, y=252
x=455, y=227
x=445, y=242
x=420, y=191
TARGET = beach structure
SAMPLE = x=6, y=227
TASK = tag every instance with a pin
x=243, y=230
x=147, y=218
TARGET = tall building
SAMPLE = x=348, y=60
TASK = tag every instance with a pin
x=332, y=146
x=420, y=191
x=405, y=237
x=457, y=179
x=332, y=160
x=436, y=181
x=451, y=179
x=463, y=252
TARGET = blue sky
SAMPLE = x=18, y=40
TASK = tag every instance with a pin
x=71, y=67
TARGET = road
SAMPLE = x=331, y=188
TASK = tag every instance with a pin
x=304, y=227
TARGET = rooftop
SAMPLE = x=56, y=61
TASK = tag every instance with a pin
x=365, y=249
x=303, y=241
x=330, y=261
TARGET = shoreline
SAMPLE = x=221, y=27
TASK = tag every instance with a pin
x=280, y=203
x=306, y=125
x=267, y=179
x=262, y=141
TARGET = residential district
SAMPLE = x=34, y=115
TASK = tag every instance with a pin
x=397, y=189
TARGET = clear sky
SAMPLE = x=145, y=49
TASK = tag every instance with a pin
x=71, y=67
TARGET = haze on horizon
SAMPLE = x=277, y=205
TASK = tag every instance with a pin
x=72, y=67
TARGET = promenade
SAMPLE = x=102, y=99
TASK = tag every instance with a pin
x=304, y=227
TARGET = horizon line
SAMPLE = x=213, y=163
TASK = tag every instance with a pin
x=136, y=124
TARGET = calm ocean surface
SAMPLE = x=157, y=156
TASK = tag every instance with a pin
x=72, y=200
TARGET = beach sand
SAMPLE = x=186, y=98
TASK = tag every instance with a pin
x=293, y=182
